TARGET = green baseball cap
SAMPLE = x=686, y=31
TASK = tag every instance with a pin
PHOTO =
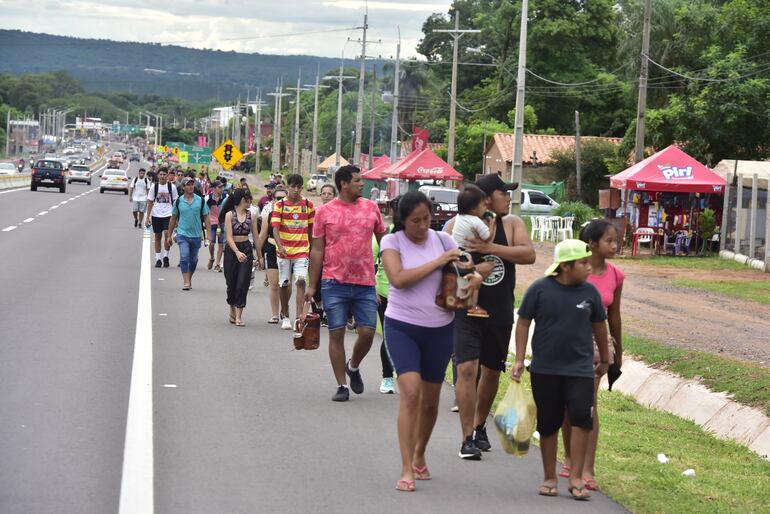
x=566, y=251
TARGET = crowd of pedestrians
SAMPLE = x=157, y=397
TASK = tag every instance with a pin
x=341, y=257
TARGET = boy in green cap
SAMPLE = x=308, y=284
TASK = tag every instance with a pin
x=568, y=314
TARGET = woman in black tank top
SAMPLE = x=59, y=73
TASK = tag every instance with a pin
x=235, y=218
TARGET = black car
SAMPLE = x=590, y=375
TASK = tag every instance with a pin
x=134, y=157
x=48, y=173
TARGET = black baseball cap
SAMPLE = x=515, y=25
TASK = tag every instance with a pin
x=492, y=182
x=270, y=185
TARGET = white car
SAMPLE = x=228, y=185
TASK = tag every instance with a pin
x=79, y=173
x=316, y=181
x=114, y=180
x=536, y=203
x=8, y=168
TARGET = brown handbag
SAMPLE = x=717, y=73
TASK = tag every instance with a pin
x=307, y=330
x=452, y=281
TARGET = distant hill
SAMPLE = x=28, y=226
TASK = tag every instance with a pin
x=198, y=75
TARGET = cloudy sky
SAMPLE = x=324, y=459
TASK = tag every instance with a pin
x=265, y=26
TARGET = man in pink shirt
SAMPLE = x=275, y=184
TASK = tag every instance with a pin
x=342, y=245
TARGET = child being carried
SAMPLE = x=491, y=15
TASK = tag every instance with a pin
x=473, y=221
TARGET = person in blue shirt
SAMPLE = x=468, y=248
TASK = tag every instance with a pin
x=189, y=217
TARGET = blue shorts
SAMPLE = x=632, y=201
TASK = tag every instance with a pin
x=342, y=300
x=217, y=238
x=424, y=350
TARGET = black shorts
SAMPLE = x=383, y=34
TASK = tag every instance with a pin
x=483, y=340
x=159, y=225
x=555, y=393
x=271, y=257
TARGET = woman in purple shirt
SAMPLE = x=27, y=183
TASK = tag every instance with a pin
x=419, y=334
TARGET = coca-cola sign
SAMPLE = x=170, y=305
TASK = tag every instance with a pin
x=438, y=170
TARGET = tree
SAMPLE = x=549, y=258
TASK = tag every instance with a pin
x=469, y=150
x=596, y=158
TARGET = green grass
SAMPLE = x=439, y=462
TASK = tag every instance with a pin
x=729, y=477
x=748, y=383
x=684, y=262
x=740, y=289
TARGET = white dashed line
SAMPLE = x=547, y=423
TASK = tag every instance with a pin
x=28, y=220
x=53, y=207
x=42, y=213
x=8, y=229
x=172, y=386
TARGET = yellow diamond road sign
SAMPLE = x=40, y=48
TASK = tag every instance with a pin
x=175, y=150
x=227, y=154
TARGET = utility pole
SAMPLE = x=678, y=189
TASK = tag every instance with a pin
x=456, y=35
x=258, y=130
x=338, y=141
x=373, y=114
x=277, y=126
x=578, y=177
x=518, y=150
x=394, y=119
x=317, y=86
x=8, y=132
x=641, y=109
x=295, y=150
x=360, y=107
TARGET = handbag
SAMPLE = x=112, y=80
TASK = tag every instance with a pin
x=452, y=282
x=307, y=330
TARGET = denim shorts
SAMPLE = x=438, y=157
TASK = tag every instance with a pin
x=342, y=300
x=217, y=237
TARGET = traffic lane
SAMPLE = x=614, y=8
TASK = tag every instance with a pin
x=70, y=284
x=250, y=425
x=19, y=205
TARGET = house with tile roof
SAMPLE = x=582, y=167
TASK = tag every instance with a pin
x=538, y=150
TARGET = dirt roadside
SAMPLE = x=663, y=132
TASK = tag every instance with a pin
x=657, y=310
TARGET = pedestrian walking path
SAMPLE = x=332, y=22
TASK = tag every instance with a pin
x=245, y=424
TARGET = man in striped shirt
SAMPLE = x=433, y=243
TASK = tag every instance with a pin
x=292, y=222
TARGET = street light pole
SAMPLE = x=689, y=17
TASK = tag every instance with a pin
x=360, y=108
x=456, y=35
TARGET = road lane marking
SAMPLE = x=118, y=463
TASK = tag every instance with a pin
x=28, y=220
x=8, y=229
x=42, y=213
x=13, y=190
x=53, y=207
x=137, y=483
x=170, y=385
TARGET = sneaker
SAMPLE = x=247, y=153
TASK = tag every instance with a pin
x=166, y=264
x=324, y=322
x=356, y=383
x=455, y=408
x=158, y=263
x=387, y=386
x=481, y=439
x=469, y=451
x=136, y=223
x=286, y=324
x=341, y=395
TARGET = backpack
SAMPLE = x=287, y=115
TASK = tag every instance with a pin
x=145, y=184
x=169, y=190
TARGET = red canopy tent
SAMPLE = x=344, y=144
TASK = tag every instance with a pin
x=670, y=170
x=422, y=165
x=375, y=173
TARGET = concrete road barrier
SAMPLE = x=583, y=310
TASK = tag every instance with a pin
x=15, y=180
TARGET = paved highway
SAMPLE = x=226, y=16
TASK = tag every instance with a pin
x=193, y=415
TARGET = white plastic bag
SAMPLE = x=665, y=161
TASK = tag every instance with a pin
x=516, y=419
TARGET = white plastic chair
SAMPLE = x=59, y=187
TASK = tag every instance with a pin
x=555, y=223
x=565, y=228
x=643, y=236
x=535, y=222
x=545, y=231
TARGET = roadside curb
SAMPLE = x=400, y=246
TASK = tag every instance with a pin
x=689, y=399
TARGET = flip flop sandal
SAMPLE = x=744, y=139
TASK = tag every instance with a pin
x=232, y=320
x=590, y=484
x=266, y=283
x=579, y=497
x=547, y=490
x=186, y=288
x=217, y=268
x=273, y=321
x=421, y=473
x=211, y=263
x=564, y=472
x=240, y=323
x=405, y=485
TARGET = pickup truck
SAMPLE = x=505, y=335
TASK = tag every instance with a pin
x=444, y=201
x=48, y=173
